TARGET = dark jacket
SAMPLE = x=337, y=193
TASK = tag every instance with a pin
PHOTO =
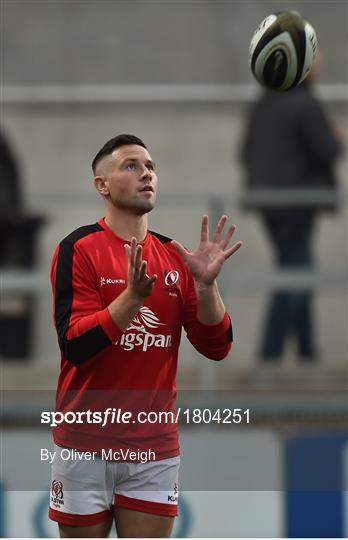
x=289, y=142
x=10, y=182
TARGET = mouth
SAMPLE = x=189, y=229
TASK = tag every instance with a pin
x=147, y=188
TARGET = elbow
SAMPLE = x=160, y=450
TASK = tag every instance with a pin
x=82, y=348
x=219, y=354
x=73, y=353
x=216, y=349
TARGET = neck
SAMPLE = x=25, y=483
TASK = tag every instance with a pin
x=126, y=225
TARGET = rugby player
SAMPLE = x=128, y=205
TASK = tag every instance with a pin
x=122, y=295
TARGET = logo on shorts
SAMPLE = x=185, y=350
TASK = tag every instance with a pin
x=174, y=498
x=144, y=321
x=57, y=493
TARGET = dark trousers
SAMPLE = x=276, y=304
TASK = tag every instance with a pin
x=290, y=312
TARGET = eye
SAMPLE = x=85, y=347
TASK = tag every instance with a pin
x=130, y=166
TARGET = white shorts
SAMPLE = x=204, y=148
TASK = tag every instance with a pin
x=83, y=491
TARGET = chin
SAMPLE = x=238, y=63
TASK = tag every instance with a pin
x=137, y=207
x=142, y=207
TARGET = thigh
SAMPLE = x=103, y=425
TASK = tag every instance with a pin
x=134, y=524
x=81, y=493
x=101, y=530
x=146, y=498
x=278, y=232
x=291, y=234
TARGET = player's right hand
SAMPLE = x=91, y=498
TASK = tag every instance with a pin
x=140, y=285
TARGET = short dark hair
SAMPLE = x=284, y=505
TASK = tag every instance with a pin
x=112, y=144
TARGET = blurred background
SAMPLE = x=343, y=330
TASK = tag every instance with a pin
x=176, y=74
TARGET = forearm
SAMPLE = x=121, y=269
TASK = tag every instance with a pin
x=93, y=333
x=210, y=307
x=124, y=308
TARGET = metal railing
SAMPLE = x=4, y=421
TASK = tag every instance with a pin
x=34, y=281
x=14, y=280
x=148, y=93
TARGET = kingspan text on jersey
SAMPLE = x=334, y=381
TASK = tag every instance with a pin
x=146, y=340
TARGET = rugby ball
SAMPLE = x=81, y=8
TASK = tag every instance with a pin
x=282, y=50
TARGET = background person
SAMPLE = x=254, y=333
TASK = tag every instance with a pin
x=290, y=143
x=18, y=247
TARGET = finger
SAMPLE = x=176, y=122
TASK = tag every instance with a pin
x=130, y=267
x=225, y=241
x=205, y=228
x=219, y=229
x=180, y=249
x=232, y=250
x=137, y=260
x=152, y=279
x=143, y=269
x=133, y=245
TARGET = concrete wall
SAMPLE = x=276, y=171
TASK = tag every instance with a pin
x=151, y=41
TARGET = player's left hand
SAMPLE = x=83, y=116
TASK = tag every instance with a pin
x=206, y=262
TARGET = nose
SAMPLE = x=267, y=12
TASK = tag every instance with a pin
x=146, y=173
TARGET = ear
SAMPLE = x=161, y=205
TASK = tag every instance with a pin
x=101, y=185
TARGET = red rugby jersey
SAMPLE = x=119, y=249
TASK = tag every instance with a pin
x=135, y=370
